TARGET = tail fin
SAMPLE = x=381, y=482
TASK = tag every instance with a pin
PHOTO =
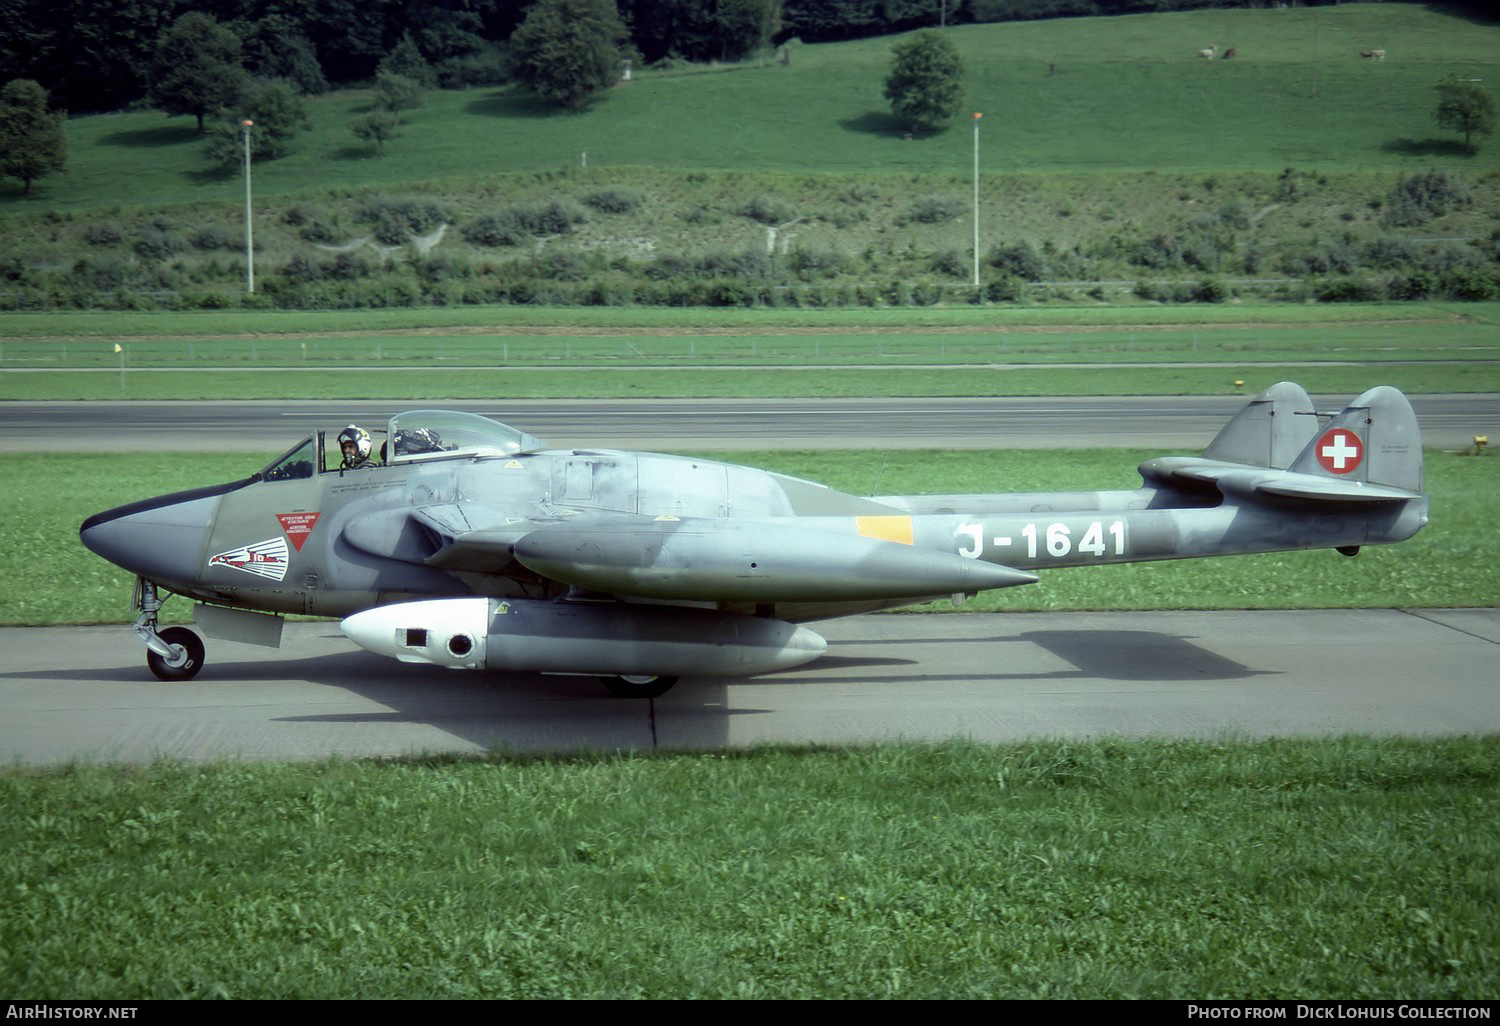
x=1373, y=442
x=1270, y=431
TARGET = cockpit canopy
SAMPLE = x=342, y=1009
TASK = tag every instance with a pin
x=417, y=435
x=429, y=434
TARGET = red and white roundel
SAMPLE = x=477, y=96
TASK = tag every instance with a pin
x=1340, y=451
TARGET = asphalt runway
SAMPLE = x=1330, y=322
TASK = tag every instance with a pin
x=83, y=693
x=1172, y=424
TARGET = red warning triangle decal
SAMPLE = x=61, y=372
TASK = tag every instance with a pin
x=297, y=526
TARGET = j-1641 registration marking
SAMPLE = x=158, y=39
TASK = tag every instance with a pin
x=1055, y=539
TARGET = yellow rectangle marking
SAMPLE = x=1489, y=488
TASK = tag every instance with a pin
x=892, y=529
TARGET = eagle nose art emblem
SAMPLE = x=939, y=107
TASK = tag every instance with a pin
x=263, y=559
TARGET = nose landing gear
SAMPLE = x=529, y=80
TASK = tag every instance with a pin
x=173, y=654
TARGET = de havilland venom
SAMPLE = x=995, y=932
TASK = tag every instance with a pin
x=472, y=546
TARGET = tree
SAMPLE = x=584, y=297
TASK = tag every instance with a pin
x=377, y=126
x=32, y=142
x=275, y=47
x=926, y=81
x=1464, y=107
x=395, y=93
x=407, y=61
x=278, y=113
x=568, y=50
x=197, y=68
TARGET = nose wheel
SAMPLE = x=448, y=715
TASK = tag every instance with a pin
x=184, y=659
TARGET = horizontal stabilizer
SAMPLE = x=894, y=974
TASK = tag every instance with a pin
x=1288, y=485
x=1269, y=431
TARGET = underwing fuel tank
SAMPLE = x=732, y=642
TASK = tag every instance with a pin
x=749, y=561
x=596, y=638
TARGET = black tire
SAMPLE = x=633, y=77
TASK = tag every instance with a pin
x=630, y=686
x=192, y=647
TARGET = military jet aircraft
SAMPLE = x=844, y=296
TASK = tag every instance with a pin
x=473, y=546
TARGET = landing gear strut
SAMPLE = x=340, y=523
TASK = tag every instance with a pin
x=173, y=654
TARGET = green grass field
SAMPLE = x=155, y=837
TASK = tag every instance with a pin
x=633, y=352
x=1129, y=94
x=1350, y=869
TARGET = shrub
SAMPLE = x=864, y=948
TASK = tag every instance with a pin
x=1160, y=253
x=936, y=209
x=1210, y=290
x=812, y=264
x=615, y=200
x=1021, y=260
x=213, y=236
x=1473, y=284
x=154, y=244
x=493, y=230
x=1417, y=285
x=554, y=217
x=1418, y=199
x=103, y=233
x=950, y=262
x=395, y=219
x=317, y=232
x=769, y=210
x=1345, y=290
x=300, y=269
x=1390, y=253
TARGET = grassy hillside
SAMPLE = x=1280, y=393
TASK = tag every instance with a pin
x=1129, y=93
x=1108, y=147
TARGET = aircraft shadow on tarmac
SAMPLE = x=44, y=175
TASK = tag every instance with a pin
x=1104, y=655
x=533, y=712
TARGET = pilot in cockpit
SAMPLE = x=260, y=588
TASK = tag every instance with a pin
x=354, y=443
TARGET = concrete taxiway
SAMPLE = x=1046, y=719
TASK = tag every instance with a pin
x=83, y=693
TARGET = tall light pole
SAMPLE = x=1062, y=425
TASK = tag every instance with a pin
x=249, y=232
x=977, y=116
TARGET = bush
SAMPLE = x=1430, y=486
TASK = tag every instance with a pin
x=1418, y=285
x=1020, y=260
x=950, y=262
x=1345, y=290
x=812, y=264
x=103, y=233
x=615, y=200
x=554, y=217
x=493, y=230
x=1474, y=284
x=936, y=209
x=1420, y=198
x=1160, y=253
x=154, y=244
x=1210, y=290
x=213, y=236
x=396, y=219
x=769, y=210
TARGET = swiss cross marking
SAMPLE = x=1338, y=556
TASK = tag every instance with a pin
x=1339, y=451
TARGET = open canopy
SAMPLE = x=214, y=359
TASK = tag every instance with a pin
x=416, y=435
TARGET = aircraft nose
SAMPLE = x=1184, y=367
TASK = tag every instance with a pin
x=162, y=539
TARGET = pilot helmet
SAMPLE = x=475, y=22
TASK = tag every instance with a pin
x=357, y=437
